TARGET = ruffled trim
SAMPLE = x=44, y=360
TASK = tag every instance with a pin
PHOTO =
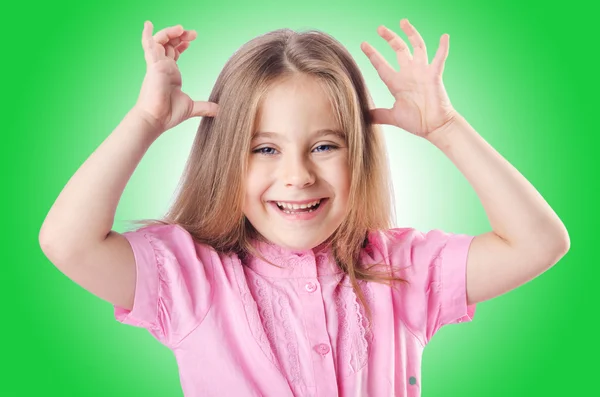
x=252, y=315
x=355, y=335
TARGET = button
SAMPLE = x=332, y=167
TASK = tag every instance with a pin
x=322, y=348
x=310, y=287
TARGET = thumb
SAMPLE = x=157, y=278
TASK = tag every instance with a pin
x=205, y=109
x=382, y=116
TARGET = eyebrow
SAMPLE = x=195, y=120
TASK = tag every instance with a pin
x=319, y=133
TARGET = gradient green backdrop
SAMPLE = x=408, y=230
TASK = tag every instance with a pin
x=524, y=76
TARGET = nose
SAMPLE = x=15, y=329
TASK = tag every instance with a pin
x=297, y=171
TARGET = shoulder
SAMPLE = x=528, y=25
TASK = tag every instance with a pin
x=385, y=240
x=157, y=230
x=166, y=238
x=412, y=244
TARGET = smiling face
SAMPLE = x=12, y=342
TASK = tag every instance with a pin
x=298, y=156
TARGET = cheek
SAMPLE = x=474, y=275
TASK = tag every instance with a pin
x=339, y=174
x=255, y=183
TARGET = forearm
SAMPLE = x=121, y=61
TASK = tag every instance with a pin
x=83, y=214
x=516, y=211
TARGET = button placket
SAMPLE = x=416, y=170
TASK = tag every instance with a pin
x=310, y=291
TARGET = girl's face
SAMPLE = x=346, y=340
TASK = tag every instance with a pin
x=298, y=157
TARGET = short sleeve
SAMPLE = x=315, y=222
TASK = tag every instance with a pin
x=435, y=266
x=173, y=282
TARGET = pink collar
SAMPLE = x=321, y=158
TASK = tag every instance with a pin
x=310, y=263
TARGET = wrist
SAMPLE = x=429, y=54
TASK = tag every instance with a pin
x=441, y=134
x=151, y=125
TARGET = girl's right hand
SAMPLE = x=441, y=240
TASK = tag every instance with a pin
x=161, y=101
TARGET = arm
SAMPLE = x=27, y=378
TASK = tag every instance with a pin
x=76, y=235
x=83, y=214
x=527, y=237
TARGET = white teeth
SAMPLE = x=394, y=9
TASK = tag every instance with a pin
x=290, y=212
x=297, y=206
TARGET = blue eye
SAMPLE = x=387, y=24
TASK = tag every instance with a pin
x=328, y=146
x=269, y=151
x=261, y=151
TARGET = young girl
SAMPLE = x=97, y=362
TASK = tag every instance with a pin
x=277, y=272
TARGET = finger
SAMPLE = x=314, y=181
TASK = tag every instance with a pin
x=170, y=51
x=398, y=45
x=416, y=41
x=439, y=61
x=385, y=71
x=148, y=43
x=175, y=42
x=163, y=36
x=146, y=34
x=181, y=48
x=382, y=116
x=186, y=36
x=205, y=109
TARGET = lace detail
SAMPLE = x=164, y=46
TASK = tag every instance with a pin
x=265, y=309
x=268, y=312
x=364, y=326
x=291, y=344
x=355, y=334
x=252, y=315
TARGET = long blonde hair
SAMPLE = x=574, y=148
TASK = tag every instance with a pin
x=210, y=197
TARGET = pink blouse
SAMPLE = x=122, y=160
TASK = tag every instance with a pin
x=297, y=330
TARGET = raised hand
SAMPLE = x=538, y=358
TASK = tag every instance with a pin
x=161, y=100
x=422, y=105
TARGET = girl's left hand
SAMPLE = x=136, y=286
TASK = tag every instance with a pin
x=422, y=105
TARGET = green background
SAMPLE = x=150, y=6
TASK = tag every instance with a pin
x=523, y=76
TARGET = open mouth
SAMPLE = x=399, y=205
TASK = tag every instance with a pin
x=298, y=208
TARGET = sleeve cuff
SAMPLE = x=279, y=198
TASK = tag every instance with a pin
x=454, y=280
x=145, y=304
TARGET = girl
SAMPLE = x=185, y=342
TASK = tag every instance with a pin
x=277, y=272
